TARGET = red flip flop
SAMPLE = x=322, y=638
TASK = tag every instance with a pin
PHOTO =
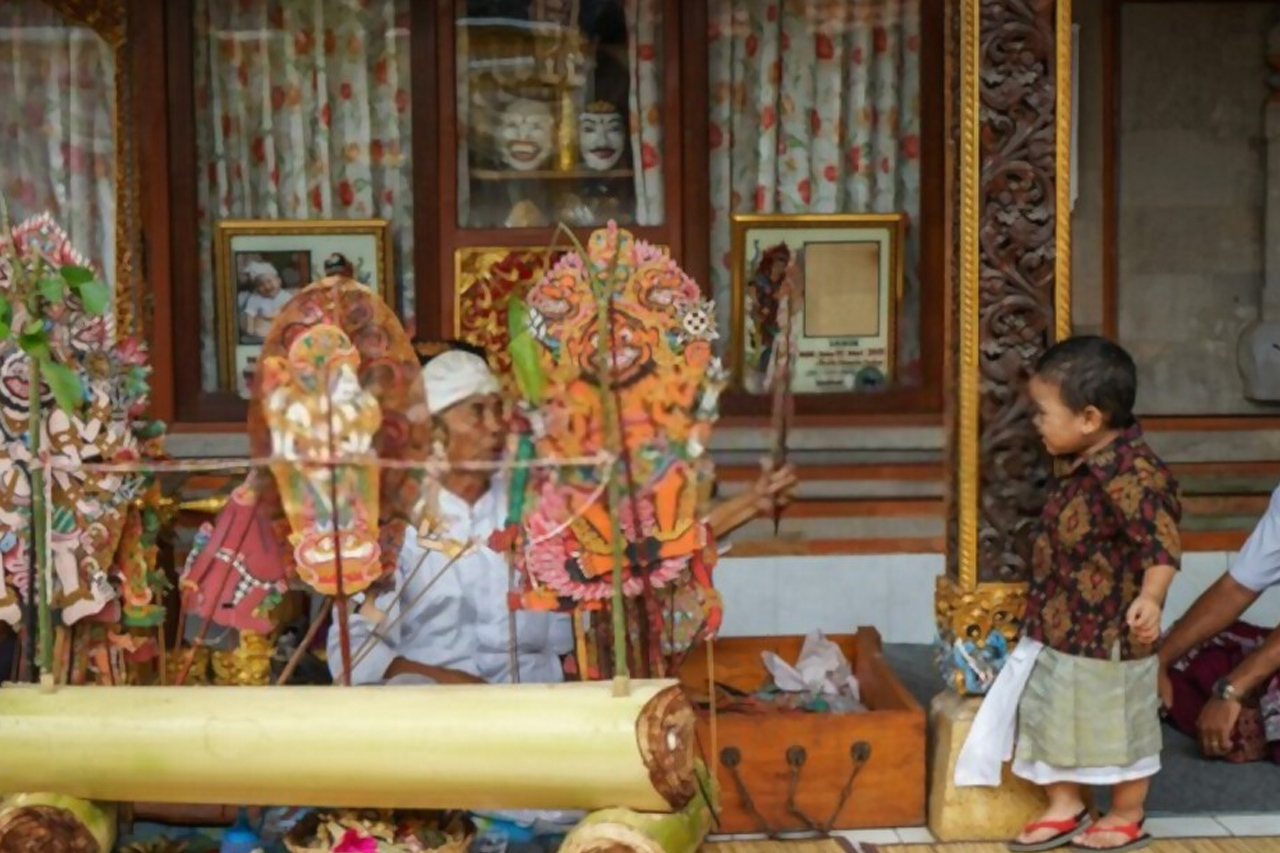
x=1065, y=829
x=1132, y=831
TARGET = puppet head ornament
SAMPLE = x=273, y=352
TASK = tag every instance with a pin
x=659, y=369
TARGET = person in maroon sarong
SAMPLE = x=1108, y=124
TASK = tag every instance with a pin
x=1219, y=677
x=1256, y=735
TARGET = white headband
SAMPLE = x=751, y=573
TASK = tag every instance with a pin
x=259, y=269
x=453, y=376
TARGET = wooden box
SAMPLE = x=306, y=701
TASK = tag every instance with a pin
x=783, y=771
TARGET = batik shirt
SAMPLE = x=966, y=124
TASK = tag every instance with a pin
x=1112, y=516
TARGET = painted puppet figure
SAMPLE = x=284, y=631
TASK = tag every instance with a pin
x=665, y=381
x=338, y=390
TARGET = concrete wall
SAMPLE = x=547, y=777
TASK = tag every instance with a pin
x=1192, y=185
x=894, y=592
x=1086, y=216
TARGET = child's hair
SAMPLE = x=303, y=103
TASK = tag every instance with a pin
x=1093, y=371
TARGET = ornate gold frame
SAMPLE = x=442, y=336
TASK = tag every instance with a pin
x=108, y=19
x=966, y=601
x=229, y=229
x=741, y=224
x=471, y=265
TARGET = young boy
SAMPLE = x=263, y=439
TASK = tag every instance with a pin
x=1105, y=554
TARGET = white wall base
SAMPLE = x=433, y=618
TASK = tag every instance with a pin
x=766, y=596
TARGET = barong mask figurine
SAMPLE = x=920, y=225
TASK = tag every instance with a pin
x=602, y=135
x=975, y=640
x=666, y=382
x=526, y=135
x=90, y=511
x=338, y=389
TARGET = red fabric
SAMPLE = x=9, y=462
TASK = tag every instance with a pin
x=1193, y=678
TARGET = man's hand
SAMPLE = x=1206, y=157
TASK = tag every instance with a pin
x=1143, y=619
x=1216, y=723
x=773, y=488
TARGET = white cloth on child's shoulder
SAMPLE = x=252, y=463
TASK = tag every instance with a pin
x=995, y=727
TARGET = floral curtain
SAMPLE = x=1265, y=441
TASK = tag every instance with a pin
x=815, y=109
x=302, y=112
x=57, y=126
x=644, y=29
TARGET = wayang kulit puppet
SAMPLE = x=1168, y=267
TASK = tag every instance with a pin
x=100, y=527
x=618, y=326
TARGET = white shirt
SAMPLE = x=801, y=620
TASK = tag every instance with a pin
x=255, y=304
x=462, y=621
x=1257, y=566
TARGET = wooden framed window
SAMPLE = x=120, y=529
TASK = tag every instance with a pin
x=474, y=126
x=550, y=112
x=823, y=107
x=280, y=110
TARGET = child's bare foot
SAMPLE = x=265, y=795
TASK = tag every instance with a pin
x=1054, y=828
x=1116, y=831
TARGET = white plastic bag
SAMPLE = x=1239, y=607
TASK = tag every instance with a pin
x=821, y=670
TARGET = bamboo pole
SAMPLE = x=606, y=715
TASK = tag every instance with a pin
x=465, y=747
x=39, y=529
x=620, y=830
x=49, y=823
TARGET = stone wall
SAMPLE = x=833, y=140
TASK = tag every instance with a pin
x=1192, y=181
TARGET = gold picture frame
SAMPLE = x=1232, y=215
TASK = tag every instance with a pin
x=296, y=251
x=883, y=233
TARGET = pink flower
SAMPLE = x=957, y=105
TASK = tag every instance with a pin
x=353, y=842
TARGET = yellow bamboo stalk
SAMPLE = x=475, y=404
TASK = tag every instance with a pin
x=464, y=747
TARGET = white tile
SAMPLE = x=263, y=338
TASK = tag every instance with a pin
x=831, y=594
x=868, y=836
x=915, y=835
x=912, y=579
x=1185, y=827
x=1251, y=825
x=749, y=587
x=1199, y=571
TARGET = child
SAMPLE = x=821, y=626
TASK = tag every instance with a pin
x=260, y=306
x=1083, y=678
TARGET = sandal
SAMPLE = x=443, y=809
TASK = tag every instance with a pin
x=1065, y=829
x=1132, y=831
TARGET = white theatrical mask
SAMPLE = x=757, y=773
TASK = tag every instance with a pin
x=526, y=135
x=601, y=137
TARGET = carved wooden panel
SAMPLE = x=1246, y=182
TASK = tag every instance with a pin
x=1016, y=271
x=104, y=17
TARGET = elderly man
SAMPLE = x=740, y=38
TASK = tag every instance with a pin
x=1256, y=569
x=457, y=627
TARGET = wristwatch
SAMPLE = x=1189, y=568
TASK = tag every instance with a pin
x=1223, y=689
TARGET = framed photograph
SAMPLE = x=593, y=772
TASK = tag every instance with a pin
x=843, y=303
x=259, y=265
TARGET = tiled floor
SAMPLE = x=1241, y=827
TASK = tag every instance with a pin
x=1221, y=826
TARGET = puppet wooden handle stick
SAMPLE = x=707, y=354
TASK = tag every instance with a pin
x=782, y=398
